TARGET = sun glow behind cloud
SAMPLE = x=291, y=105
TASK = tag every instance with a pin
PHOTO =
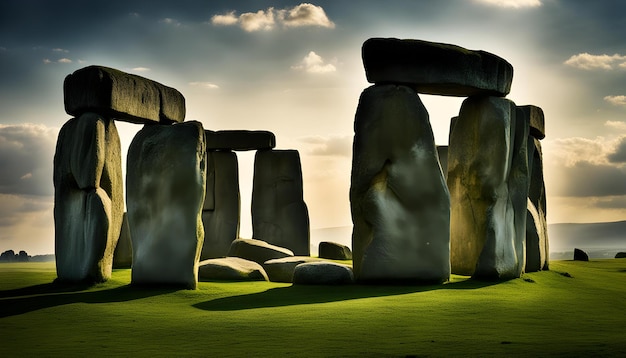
x=265, y=20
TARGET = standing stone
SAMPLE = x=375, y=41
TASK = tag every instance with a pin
x=222, y=204
x=442, y=154
x=536, y=120
x=399, y=200
x=436, y=68
x=580, y=255
x=123, y=255
x=486, y=180
x=536, y=254
x=165, y=181
x=121, y=96
x=88, y=198
x=279, y=214
x=537, y=235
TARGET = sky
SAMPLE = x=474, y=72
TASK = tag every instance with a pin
x=295, y=69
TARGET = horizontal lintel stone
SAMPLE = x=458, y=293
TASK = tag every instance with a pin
x=239, y=140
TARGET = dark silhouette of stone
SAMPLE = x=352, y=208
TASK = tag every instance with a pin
x=121, y=96
x=442, y=153
x=436, y=68
x=487, y=177
x=279, y=214
x=257, y=250
x=231, y=269
x=399, y=200
x=88, y=198
x=334, y=251
x=536, y=120
x=281, y=270
x=222, y=205
x=322, y=273
x=620, y=255
x=165, y=181
x=580, y=255
x=537, y=196
x=240, y=140
x=123, y=255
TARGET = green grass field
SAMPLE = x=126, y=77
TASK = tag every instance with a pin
x=542, y=314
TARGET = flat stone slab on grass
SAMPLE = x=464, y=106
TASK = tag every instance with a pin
x=257, y=250
x=240, y=140
x=334, y=251
x=322, y=273
x=231, y=269
x=281, y=270
x=122, y=96
x=436, y=68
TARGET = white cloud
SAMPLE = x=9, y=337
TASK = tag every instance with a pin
x=616, y=100
x=46, y=61
x=314, y=63
x=255, y=21
x=619, y=125
x=586, y=61
x=206, y=85
x=304, y=14
x=60, y=50
x=64, y=60
x=334, y=145
x=227, y=19
x=141, y=69
x=170, y=21
x=516, y=4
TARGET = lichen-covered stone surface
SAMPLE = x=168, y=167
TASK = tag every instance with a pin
x=222, y=204
x=334, y=251
x=121, y=96
x=281, y=270
x=487, y=177
x=231, y=269
x=88, y=198
x=258, y=251
x=279, y=213
x=165, y=181
x=399, y=200
x=537, y=235
x=240, y=140
x=436, y=68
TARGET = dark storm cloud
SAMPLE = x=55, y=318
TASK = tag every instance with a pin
x=619, y=156
x=585, y=179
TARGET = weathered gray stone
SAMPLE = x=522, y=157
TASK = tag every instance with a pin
x=165, y=180
x=123, y=255
x=536, y=120
x=121, y=96
x=436, y=68
x=231, y=269
x=486, y=177
x=399, y=199
x=580, y=255
x=322, y=273
x=334, y=251
x=257, y=250
x=281, y=270
x=240, y=140
x=442, y=152
x=222, y=204
x=537, y=193
x=279, y=214
x=536, y=255
x=88, y=198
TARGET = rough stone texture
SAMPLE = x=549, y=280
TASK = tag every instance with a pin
x=580, y=255
x=536, y=120
x=240, y=140
x=620, y=255
x=487, y=177
x=88, y=198
x=279, y=214
x=436, y=68
x=322, y=273
x=257, y=250
x=399, y=200
x=536, y=255
x=281, y=270
x=122, y=96
x=165, y=180
x=537, y=194
x=231, y=269
x=222, y=204
x=334, y=251
x=442, y=153
x=123, y=255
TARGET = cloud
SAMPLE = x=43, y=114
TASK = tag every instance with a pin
x=333, y=145
x=141, y=69
x=304, y=14
x=64, y=60
x=616, y=100
x=48, y=61
x=585, y=179
x=313, y=63
x=619, y=125
x=516, y=4
x=26, y=159
x=586, y=61
x=27, y=223
x=206, y=85
x=170, y=21
x=619, y=155
x=59, y=50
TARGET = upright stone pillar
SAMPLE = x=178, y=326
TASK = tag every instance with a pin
x=399, y=200
x=165, y=179
x=88, y=198
x=279, y=214
x=123, y=255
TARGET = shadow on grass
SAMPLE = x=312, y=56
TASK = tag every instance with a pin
x=33, y=298
x=301, y=295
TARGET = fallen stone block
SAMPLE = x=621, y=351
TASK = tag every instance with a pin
x=257, y=250
x=121, y=96
x=240, y=140
x=281, y=270
x=231, y=269
x=620, y=255
x=436, y=68
x=334, y=251
x=580, y=255
x=322, y=273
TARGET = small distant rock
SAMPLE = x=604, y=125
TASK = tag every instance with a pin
x=322, y=273
x=334, y=251
x=257, y=250
x=281, y=270
x=231, y=269
x=620, y=255
x=580, y=255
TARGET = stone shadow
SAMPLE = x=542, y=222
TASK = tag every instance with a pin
x=311, y=294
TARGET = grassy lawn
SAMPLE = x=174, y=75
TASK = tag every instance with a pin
x=542, y=314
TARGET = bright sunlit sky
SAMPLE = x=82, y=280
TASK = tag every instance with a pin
x=295, y=69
